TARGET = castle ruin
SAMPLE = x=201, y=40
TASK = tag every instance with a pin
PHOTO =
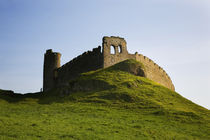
x=57, y=76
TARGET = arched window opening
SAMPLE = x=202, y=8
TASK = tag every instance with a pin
x=112, y=50
x=120, y=49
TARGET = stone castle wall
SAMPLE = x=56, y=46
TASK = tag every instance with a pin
x=56, y=76
x=88, y=61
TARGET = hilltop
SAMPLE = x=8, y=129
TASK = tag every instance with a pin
x=111, y=103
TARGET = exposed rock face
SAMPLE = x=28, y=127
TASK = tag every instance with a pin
x=56, y=76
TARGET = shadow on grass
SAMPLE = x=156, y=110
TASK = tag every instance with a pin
x=12, y=97
x=53, y=96
x=76, y=88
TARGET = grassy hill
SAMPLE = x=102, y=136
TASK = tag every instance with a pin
x=111, y=103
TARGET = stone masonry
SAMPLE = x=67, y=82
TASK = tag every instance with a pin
x=57, y=76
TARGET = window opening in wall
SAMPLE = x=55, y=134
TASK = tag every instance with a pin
x=112, y=50
x=120, y=49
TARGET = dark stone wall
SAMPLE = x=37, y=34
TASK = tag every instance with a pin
x=88, y=61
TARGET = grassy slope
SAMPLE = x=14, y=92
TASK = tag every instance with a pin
x=104, y=104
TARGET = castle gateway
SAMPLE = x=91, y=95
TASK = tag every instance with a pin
x=57, y=76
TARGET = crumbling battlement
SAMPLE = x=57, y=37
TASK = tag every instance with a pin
x=56, y=76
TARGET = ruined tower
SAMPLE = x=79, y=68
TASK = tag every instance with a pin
x=120, y=50
x=51, y=64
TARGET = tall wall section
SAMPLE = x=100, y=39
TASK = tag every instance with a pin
x=88, y=61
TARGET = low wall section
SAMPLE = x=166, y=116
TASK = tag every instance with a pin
x=155, y=72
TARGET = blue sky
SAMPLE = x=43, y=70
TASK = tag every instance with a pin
x=173, y=33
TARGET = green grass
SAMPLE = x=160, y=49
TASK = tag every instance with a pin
x=108, y=103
